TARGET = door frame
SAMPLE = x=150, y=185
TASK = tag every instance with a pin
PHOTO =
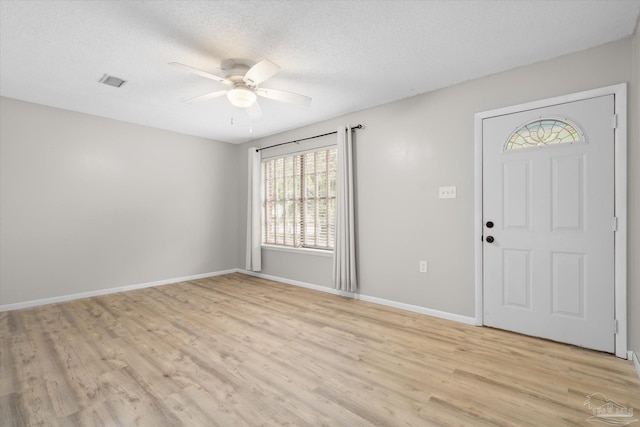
x=620, y=194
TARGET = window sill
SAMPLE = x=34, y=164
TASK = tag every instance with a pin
x=318, y=252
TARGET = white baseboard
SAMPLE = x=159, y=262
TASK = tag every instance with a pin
x=291, y=282
x=389, y=303
x=63, y=298
x=634, y=356
x=422, y=310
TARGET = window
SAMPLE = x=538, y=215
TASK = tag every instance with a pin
x=299, y=200
x=543, y=132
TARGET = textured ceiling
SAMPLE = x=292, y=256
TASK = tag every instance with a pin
x=346, y=55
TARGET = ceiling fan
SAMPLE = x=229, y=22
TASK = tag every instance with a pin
x=243, y=78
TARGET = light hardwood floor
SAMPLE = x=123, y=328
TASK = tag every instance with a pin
x=236, y=350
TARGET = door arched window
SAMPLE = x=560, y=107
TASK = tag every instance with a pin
x=544, y=132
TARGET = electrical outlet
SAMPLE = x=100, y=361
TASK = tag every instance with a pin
x=423, y=266
x=447, y=192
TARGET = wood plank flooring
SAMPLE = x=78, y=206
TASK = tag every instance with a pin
x=236, y=350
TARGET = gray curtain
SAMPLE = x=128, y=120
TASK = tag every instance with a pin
x=254, y=210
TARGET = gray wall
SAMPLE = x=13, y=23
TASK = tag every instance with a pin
x=410, y=148
x=90, y=203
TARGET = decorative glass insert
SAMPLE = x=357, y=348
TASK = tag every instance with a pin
x=543, y=132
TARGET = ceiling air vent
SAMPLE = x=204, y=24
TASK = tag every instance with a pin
x=112, y=81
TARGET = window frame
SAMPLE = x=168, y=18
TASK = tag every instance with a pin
x=510, y=146
x=291, y=236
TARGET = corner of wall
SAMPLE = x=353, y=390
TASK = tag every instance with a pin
x=634, y=198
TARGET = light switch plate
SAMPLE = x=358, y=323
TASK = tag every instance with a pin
x=447, y=192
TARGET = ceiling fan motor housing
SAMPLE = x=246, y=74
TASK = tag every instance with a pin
x=236, y=68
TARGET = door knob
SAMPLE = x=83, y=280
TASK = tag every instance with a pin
x=489, y=239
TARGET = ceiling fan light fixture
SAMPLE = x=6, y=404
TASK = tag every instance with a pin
x=241, y=97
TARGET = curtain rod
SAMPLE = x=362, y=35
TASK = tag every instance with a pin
x=304, y=139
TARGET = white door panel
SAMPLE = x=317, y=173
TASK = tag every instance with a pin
x=549, y=271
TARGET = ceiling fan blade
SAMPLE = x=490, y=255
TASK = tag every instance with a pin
x=202, y=73
x=260, y=72
x=254, y=111
x=206, y=96
x=282, y=96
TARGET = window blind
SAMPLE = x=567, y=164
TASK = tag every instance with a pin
x=299, y=199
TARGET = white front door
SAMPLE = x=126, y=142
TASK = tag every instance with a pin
x=548, y=222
